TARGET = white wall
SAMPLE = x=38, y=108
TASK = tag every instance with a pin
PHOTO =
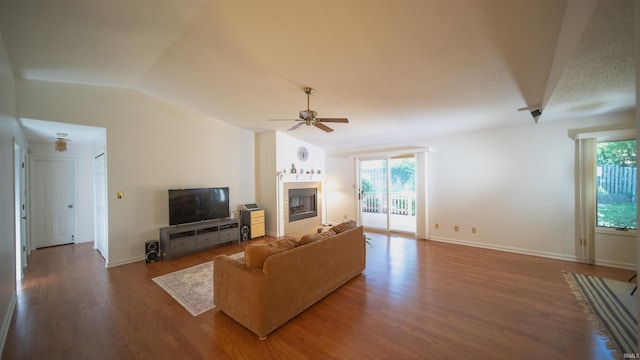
x=287, y=153
x=341, y=189
x=152, y=146
x=515, y=185
x=83, y=154
x=266, y=184
x=9, y=130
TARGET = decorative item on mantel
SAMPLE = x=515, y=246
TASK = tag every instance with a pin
x=299, y=176
x=293, y=168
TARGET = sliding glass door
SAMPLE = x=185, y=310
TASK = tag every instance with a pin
x=373, y=194
x=388, y=194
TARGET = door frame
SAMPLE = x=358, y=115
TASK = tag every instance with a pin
x=101, y=247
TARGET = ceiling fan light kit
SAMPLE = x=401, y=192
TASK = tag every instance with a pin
x=310, y=117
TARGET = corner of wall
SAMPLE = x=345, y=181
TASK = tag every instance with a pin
x=6, y=323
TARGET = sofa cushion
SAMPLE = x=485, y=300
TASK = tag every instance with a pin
x=347, y=225
x=256, y=254
x=309, y=238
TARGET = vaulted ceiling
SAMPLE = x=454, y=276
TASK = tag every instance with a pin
x=401, y=71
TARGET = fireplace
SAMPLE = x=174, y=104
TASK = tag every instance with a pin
x=302, y=203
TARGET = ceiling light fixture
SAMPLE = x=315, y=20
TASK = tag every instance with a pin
x=61, y=144
x=536, y=112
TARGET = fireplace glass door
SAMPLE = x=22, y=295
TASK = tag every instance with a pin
x=302, y=203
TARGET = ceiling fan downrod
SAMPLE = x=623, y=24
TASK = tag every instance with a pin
x=308, y=91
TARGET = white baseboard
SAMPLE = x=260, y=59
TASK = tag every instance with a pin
x=616, y=264
x=111, y=264
x=6, y=323
x=545, y=254
x=505, y=248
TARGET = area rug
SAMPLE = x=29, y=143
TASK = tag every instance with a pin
x=192, y=287
x=611, y=308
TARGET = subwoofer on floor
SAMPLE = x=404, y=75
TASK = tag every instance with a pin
x=151, y=251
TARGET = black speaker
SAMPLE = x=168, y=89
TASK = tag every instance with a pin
x=151, y=251
x=244, y=233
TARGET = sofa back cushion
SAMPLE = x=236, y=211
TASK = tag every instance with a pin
x=309, y=238
x=256, y=254
x=342, y=227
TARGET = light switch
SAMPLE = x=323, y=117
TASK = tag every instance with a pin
x=120, y=195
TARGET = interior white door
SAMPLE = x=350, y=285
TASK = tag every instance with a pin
x=54, y=205
x=100, y=184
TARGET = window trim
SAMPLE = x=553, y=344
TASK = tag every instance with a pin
x=612, y=231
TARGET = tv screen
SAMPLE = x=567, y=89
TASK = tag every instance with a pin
x=193, y=205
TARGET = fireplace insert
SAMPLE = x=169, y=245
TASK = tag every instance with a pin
x=302, y=203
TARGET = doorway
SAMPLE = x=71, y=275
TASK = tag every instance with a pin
x=20, y=216
x=388, y=193
x=53, y=202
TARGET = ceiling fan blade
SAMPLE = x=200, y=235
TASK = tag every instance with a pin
x=334, y=120
x=323, y=127
x=295, y=126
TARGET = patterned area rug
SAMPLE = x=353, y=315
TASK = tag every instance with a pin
x=192, y=287
x=611, y=308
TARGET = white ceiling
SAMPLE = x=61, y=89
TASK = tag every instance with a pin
x=401, y=71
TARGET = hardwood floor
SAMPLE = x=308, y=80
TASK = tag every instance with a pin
x=416, y=299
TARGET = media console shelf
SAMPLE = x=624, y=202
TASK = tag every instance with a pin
x=178, y=240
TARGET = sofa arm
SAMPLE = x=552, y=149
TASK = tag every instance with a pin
x=241, y=292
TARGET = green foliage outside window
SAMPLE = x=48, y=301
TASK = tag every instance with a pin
x=616, y=184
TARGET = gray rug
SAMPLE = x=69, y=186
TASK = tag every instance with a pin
x=611, y=306
x=192, y=287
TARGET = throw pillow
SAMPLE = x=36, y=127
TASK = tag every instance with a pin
x=342, y=227
x=256, y=254
x=309, y=238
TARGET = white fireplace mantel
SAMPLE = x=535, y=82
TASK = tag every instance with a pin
x=288, y=177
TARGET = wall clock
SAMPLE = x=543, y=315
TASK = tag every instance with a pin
x=303, y=153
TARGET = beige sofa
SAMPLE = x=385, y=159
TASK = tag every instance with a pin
x=290, y=280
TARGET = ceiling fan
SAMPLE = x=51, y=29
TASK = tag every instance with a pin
x=310, y=117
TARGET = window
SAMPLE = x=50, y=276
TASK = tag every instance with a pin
x=616, y=185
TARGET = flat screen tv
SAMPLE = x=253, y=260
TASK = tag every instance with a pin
x=194, y=205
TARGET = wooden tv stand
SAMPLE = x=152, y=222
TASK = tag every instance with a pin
x=178, y=240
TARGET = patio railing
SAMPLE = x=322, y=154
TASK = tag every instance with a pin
x=401, y=202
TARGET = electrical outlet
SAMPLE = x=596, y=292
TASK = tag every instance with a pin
x=456, y=228
x=437, y=226
x=473, y=230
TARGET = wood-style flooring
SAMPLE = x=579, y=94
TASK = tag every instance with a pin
x=417, y=299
